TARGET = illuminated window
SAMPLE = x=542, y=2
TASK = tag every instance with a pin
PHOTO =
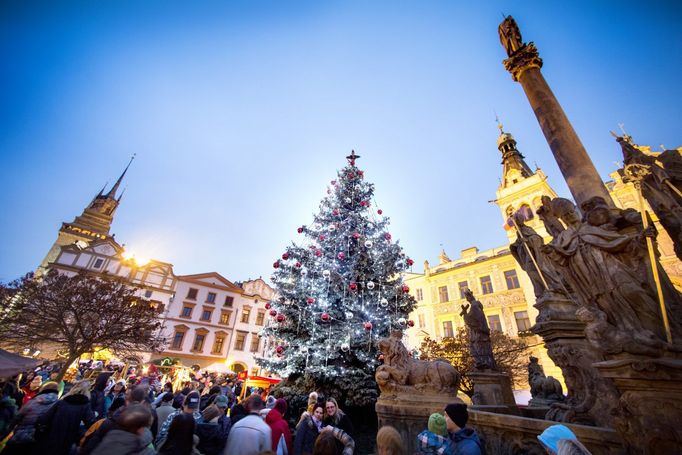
x=420, y=295
x=512, y=279
x=443, y=294
x=255, y=343
x=260, y=317
x=246, y=313
x=494, y=323
x=486, y=285
x=447, y=329
x=218, y=345
x=522, y=320
x=239, y=341
x=463, y=286
x=422, y=321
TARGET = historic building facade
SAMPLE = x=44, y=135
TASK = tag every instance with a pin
x=207, y=319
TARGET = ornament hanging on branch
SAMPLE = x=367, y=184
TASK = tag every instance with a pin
x=325, y=317
x=285, y=256
x=273, y=312
x=280, y=318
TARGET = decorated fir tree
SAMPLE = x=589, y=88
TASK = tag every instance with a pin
x=339, y=291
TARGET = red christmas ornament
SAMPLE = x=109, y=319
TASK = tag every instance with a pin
x=335, y=212
x=300, y=230
x=273, y=312
x=341, y=255
x=322, y=237
x=410, y=262
x=406, y=288
x=310, y=300
x=268, y=306
x=352, y=162
x=285, y=256
x=280, y=349
x=325, y=317
x=350, y=175
x=363, y=203
x=276, y=264
x=366, y=203
x=356, y=235
x=361, y=174
x=353, y=285
x=380, y=211
x=280, y=318
x=410, y=323
x=368, y=325
x=298, y=264
x=318, y=253
x=387, y=236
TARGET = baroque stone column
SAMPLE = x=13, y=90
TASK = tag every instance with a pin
x=524, y=64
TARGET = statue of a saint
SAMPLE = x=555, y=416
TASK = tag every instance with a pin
x=551, y=222
x=479, y=333
x=527, y=243
x=510, y=35
x=605, y=269
x=660, y=189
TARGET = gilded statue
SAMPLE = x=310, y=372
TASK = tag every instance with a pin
x=510, y=35
x=479, y=333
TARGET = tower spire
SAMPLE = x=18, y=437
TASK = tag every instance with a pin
x=112, y=191
x=514, y=167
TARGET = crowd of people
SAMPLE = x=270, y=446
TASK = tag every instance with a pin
x=110, y=416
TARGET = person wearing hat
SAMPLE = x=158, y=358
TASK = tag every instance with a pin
x=224, y=420
x=465, y=439
x=435, y=439
x=189, y=406
x=212, y=437
x=560, y=435
x=281, y=435
x=165, y=406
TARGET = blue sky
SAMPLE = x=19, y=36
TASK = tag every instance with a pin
x=240, y=113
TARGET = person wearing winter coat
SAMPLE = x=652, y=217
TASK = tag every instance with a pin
x=62, y=422
x=116, y=391
x=31, y=389
x=8, y=408
x=189, y=406
x=98, y=430
x=337, y=418
x=24, y=424
x=250, y=435
x=97, y=395
x=308, y=430
x=279, y=426
x=181, y=439
x=333, y=441
x=212, y=435
x=434, y=440
x=465, y=439
x=165, y=407
x=131, y=435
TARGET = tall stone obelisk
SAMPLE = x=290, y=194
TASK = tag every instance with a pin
x=524, y=64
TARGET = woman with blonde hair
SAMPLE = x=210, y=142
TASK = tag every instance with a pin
x=61, y=423
x=389, y=442
x=337, y=418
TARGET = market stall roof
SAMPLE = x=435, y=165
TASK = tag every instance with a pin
x=11, y=364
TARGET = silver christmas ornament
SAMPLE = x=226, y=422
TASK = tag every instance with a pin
x=370, y=285
x=383, y=302
x=349, y=315
x=304, y=349
x=368, y=244
x=345, y=347
x=402, y=322
x=348, y=200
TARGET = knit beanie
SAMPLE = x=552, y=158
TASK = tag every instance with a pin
x=437, y=424
x=551, y=436
x=458, y=413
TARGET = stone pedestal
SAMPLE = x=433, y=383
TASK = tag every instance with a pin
x=409, y=414
x=590, y=397
x=493, y=392
x=649, y=412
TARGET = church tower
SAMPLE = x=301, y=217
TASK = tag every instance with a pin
x=519, y=185
x=93, y=224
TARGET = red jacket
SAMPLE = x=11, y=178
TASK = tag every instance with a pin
x=279, y=427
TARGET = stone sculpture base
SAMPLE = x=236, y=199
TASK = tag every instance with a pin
x=409, y=414
x=493, y=392
x=649, y=411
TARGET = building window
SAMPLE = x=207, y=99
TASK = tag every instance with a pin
x=98, y=263
x=422, y=321
x=463, y=286
x=192, y=294
x=486, y=285
x=260, y=317
x=239, y=341
x=225, y=317
x=218, y=345
x=178, y=338
x=255, y=343
x=158, y=306
x=186, y=312
x=229, y=300
x=512, y=279
x=210, y=298
x=447, y=329
x=206, y=315
x=147, y=294
x=522, y=320
x=199, y=342
x=494, y=323
x=420, y=295
x=246, y=313
x=443, y=294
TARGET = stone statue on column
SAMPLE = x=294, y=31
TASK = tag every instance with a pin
x=479, y=333
x=510, y=35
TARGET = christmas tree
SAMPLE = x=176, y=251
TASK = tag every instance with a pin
x=339, y=292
